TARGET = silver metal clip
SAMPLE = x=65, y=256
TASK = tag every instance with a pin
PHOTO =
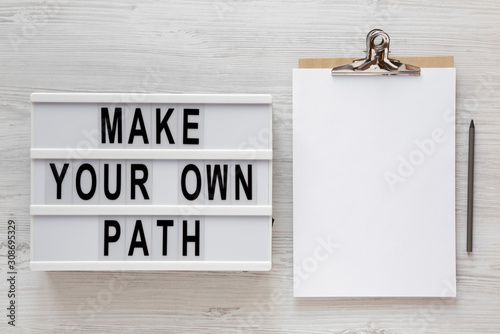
x=377, y=61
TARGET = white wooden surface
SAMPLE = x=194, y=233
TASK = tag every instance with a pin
x=236, y=46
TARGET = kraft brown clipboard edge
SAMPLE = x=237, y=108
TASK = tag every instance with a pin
x=423, y=62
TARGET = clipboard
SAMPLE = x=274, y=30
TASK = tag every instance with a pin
x=377, y=51
x=422, y=62
x=354, y=235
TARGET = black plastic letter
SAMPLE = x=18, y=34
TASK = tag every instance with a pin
x=189, y=125
x=110, y=238
x=196, y=193
x=59, y=177
x=106, y=125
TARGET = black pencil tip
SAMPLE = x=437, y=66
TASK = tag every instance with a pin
x=472, y=124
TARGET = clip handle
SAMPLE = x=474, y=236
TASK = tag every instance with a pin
x=377, y=61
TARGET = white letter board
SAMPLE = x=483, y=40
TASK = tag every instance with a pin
x=151, y=182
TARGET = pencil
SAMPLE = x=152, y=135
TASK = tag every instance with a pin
x=470, y=186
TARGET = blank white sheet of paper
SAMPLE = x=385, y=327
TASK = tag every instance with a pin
x=374, y=184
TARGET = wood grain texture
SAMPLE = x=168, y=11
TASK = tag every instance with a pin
x=238, y=46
